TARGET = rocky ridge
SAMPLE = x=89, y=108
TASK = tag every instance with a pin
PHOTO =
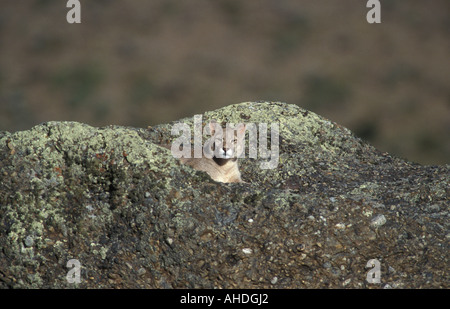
x=133, y=217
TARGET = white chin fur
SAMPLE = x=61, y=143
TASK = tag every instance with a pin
x=228, y=154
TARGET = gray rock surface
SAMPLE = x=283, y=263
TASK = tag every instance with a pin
x=133, y=217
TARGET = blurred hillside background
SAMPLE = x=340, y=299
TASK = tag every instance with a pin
x=140, y=63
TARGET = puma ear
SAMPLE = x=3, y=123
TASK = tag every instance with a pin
x=212, y=126
x=241, y=128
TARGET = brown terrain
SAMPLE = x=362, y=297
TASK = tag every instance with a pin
x=140, y=63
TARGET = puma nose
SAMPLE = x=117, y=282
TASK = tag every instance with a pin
x=227, y=152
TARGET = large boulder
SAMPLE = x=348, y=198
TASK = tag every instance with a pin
x=335, y=212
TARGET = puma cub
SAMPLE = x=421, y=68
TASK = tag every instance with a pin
x=222, y=152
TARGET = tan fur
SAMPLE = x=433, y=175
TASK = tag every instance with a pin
x=228, y=170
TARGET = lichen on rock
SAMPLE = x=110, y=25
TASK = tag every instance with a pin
x=133, y=216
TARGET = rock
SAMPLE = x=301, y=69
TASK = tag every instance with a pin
x=118, y=203
x=28, y=241
x=378, y=221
